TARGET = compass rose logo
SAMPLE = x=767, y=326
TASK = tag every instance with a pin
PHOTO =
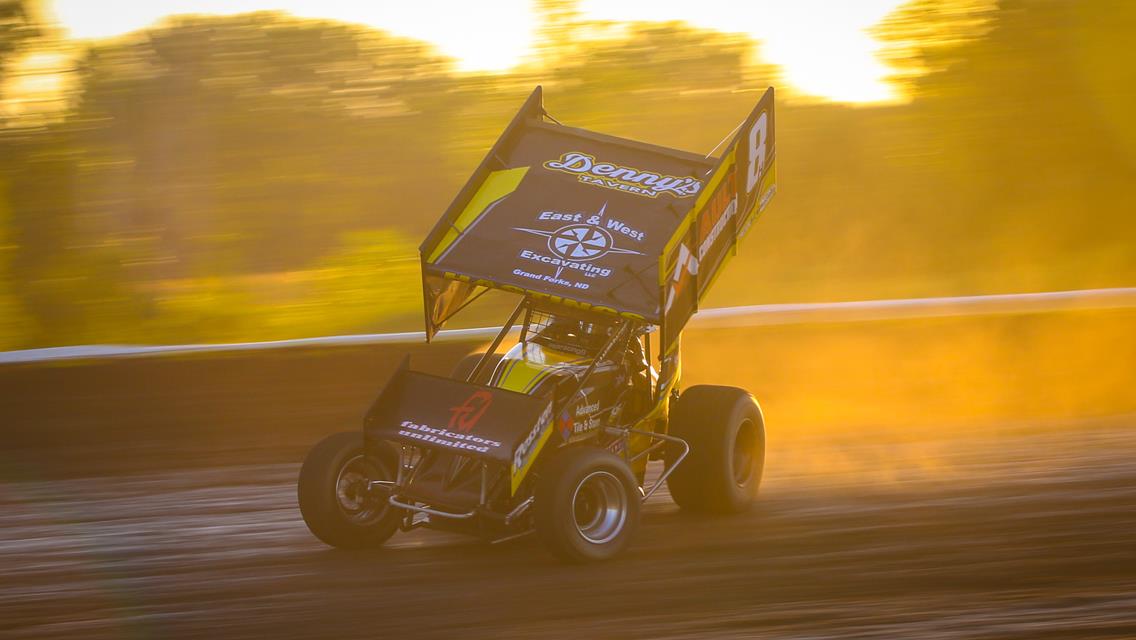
x=579, y=242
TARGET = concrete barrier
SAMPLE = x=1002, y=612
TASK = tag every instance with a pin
x=95, y=410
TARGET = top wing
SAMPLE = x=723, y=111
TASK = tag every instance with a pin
x=595, y=221
x=567, y=214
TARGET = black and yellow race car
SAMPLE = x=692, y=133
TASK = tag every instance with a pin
x=609, y=244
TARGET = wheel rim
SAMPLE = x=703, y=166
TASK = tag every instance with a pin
x=599, y=507
x=743, y=458
x=353, y=495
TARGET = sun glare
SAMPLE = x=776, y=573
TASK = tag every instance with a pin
x=480, y=36
x=822, y=46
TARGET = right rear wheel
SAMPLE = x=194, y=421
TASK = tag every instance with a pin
x=726, y=433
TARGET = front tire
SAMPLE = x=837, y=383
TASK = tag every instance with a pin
x=726, y=433
x=335, y=500
x=587, y=504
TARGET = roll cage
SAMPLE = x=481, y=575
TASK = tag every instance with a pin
x=620, y=333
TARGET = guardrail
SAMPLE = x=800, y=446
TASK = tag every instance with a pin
x=755, y=315
x=867, y=310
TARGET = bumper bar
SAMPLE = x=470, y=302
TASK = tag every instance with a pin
x=432, y=512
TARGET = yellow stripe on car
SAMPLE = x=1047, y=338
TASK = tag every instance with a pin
x=518, y=473
x=498, y=185
x=524, y=376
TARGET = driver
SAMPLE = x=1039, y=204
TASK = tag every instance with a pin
x=576, y=334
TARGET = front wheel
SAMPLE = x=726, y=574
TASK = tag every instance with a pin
x=587, y=504
x=726, y=432
x=335, y=498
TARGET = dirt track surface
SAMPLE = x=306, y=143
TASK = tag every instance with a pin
x=1014, y=532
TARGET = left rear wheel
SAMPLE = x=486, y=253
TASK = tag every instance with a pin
x=587, y=504
x=334, y=492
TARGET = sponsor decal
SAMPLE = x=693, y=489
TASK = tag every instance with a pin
x=668, y=372
x=765, y=197
x=561, y=264
x=575, y=246
x=529, y=445
x=541, y=295
x=526, y=452
x=685, y=268
x=585, y=409
x=617, y=446
x=590, y=415
x=718, y=212
x=621, y=178
x=464, y=417
x=446, y=438
x=583, y=419
x=565, y=423
x=565, y=347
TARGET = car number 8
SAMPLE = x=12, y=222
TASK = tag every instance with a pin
x=757, y=151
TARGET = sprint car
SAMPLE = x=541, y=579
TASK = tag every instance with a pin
x=608, y=245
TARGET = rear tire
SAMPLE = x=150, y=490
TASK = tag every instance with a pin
x=587, y=504
x=466, y=365
x=334, y=498
x=726, y=432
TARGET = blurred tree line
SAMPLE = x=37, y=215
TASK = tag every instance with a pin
x=260, y=177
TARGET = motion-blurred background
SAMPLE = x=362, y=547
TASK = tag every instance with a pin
x=265, y=169
x=191, y=171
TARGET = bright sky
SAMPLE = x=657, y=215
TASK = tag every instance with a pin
x=480, y=38
x=821, y=44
